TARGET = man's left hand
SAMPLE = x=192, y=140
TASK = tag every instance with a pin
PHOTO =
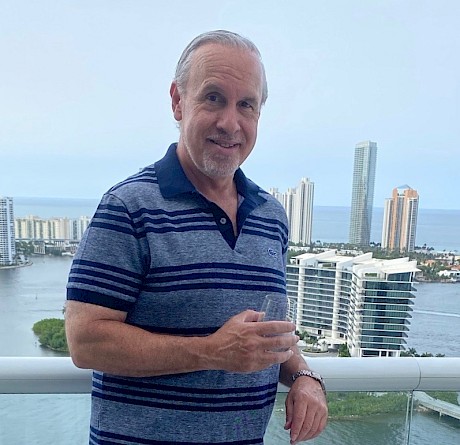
x=306, y=410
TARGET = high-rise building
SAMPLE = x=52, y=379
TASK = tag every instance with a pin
x=359, y=301
x=36, y=228
x=362, y=198
x=7, y=238
x=400, y=219
x=298, y=203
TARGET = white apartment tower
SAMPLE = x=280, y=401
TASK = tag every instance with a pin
x=359, y=301
x=400, y=219
x=298, y=204
x=36, y=228
x=362, y=198
x=7, y=237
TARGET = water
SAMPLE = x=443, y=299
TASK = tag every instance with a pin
x=435, y=228
x=32, y=293
x=27, y=295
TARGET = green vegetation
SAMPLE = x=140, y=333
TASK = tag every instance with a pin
x=51, y=334
x=411, y=352
x=343, y=351
x=347, y=404
x=449, y=397
x=25, y=247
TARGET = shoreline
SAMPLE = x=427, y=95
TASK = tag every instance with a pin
x=16, y=266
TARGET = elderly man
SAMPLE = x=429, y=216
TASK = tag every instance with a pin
x=165, y=290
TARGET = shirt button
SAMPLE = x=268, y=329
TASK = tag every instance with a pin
x=223, y=221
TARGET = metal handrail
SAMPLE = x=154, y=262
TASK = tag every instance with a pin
x=58, y=375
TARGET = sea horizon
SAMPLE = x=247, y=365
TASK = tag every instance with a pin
x=64, y=199
x=436, y=228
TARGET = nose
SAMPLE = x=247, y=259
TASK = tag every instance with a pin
x=228, y=121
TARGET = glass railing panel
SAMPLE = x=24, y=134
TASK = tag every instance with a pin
x=435, y=418
x=44, y=419
x=355, y=418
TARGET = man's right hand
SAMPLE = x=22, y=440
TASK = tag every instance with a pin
x=245, y=344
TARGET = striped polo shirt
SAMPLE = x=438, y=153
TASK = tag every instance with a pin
x=158, y=250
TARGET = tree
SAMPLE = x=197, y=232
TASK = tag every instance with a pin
x=344, y=351
x=51, y=334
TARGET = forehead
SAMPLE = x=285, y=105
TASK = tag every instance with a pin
x=227, y=66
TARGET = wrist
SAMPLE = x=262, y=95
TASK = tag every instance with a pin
x=311, y=375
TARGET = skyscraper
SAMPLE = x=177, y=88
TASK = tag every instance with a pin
x=362, y=198
x=400, y=219
x=7, y=238
x=298, y=203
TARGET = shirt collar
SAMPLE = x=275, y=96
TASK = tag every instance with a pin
x=173, y=181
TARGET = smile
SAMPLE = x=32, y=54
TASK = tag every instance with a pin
x=224, y=144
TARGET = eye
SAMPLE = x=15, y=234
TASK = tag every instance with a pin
x=246, y=104
x=213, y=97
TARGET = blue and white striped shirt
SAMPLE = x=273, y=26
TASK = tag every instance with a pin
x=161, y=252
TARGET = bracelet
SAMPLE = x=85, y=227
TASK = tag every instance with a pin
x=312, y=374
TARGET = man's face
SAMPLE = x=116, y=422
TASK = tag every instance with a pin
x=219, y=110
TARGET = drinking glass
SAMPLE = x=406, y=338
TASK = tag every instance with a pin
x=275, y=308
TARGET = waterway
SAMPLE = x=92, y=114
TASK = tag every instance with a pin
x=31, y=293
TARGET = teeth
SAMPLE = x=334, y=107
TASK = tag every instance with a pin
x=222, y=144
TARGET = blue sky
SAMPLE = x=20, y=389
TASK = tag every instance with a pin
x=84, y=92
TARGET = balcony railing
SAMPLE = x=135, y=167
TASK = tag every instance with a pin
x=58, y=375
x=44, y=375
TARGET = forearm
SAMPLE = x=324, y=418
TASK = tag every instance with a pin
x=99, y=338
x=119, y=348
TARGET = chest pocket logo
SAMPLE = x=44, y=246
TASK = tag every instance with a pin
x=272, y=252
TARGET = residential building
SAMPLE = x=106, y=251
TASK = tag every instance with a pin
x=400, y=219
x=362, y=198
x=359, y=301
x=7, y=236
x=298, y=203
x=36, y=228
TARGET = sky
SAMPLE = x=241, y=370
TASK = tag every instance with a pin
x=84, y=92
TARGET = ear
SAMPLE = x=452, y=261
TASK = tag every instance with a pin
x=176, y=102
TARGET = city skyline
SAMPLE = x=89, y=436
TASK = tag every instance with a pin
x=83, y=106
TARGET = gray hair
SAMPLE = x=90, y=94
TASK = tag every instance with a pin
x=221, y=37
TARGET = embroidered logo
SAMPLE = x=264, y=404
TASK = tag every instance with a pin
x=272, y=252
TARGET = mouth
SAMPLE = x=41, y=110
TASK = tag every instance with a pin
x=224, y=144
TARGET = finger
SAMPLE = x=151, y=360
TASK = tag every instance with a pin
x=301, y=424
x=274, y=357
x=309, y=431
x=275, y=327
x=278, y=342
x=289, y=410
x=247, y=316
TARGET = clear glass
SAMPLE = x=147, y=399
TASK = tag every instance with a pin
x=44, y=419
x=358, y=418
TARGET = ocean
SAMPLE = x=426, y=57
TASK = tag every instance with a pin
x=29, y=294
x=435, y=228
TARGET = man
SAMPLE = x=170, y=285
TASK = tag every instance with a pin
x=165, y=289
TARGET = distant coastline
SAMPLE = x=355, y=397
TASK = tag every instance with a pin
x=60, y=201
x=435, y=227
